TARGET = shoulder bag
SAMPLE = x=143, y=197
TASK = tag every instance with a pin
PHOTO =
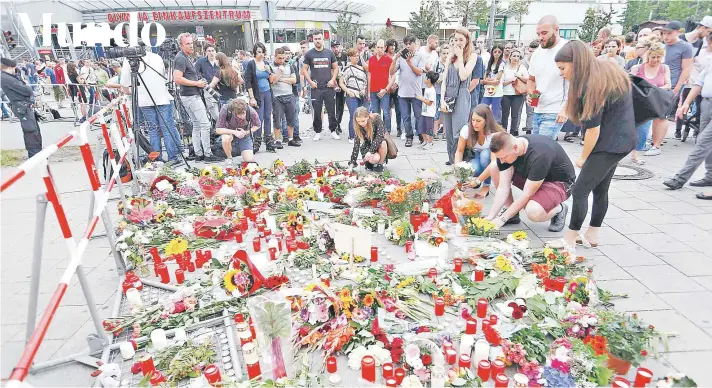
x=519, y=86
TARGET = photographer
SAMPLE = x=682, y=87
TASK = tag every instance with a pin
x=232, y=125
x=208, y=68
x=154, y=100
x=186, y=76
x=21, y=96
x=410, y=66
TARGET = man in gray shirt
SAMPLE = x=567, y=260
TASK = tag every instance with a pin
x=283, y=102
x=410, y=65
x=678, y=57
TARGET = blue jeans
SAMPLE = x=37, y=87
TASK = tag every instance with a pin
x=353, y=103
x=495, y=103
x=475, y=96
x=378, y=105
x=162, y=127
x=406, y=104
x=643, y=130
x=437, y=105
x=285, y=134
x=545, y=124
x=480, y=162
x=265, y=113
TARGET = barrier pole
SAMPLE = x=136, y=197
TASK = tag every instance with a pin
x=36, y=265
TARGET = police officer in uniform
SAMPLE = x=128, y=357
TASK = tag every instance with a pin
x=21, y=100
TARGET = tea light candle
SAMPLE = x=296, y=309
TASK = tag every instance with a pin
x=439, y=307
x=212, y=373
x=400, y=375
x=471, y=327
x=147, y=366
x=271, y=222
x=497, y=368
x=482, y=307
x=642, y=377
x=158, y=339
x=493, y=320
x=620, y=382
x=437, y=377
x=133, y=297
x=238, y=237
x=501, y=381
x=451, y=356
x=520, y=380
x=381, y=227
x=127, y=350
x=483, y=370
x=391, y=382
x=458, y=265
x=179, y=334
x=256, y=244
x=368, y=369
x=443, y=253
x=331, y=364
x=387, y=370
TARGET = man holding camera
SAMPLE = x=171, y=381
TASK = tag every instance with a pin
x=207, y=67
x=21, y=99
x=236, y=128
x=410, y=65
x=155, y=107
x=186, y=76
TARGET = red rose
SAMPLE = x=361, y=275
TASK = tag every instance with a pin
x=643, y=352
x=517, y=314
x=178, y=308
x=303, y=331
x=427, y=359
x=397, y=342
x=136, y=368
x=388, y=278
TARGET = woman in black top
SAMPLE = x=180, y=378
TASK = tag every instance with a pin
x=370, y=139
x=600, y=100
x=226, y=80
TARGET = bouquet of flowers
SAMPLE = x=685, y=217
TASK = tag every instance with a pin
x=209, y=186
x=301, y=171
x=400, y=231
x=242, y=278
x=140, y=212
x=397, y=201
x=476, y=226
x=219, y=228
x=463, y=172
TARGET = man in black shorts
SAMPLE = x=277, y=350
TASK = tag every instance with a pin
x=538, y=166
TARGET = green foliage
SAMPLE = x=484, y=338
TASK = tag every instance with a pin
x=185, y=360
x=346, y=28
x=595, y=19
x=637, y=12
x=274, y=319
x=628, y=337
x=423, y=22
x=534, y=342
x=490, y=288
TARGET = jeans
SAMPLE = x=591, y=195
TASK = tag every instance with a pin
x=163, y=126
x=265, y=113
x=212, y=106
x=595, y=176
x=480, y=162
x=514, y=104
x=396, y=105
x=703, y=147
x=381, y=104
x=353, y=103
x=406, y=103
x=201, y=125
x=437, y=105
x=339, y=100
x=296, y=121
x=545, y=124
x=495, y=103
x=324, y=97
x=643, y=131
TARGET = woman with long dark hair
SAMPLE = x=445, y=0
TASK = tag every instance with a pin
x=258, y=82
x=227, y=80
x=493, y=82
x=473, y=145
x=369, y=140
x=600, y=100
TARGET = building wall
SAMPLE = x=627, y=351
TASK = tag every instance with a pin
x=60, y=12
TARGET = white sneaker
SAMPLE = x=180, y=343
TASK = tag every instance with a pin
x=653, y=151
x=428, y=146
x=403, y=136
x=317, y=137
x=351, y=141
x=228, y=162
x=335, y=136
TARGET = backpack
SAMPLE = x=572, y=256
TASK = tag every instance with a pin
x=124, y=172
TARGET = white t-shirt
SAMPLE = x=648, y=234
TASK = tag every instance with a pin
x=465, y=134
x=494, y=90
x=509, y=73
x=429, y=110
x=432, y=57
x=153, y=81
x=548, y=79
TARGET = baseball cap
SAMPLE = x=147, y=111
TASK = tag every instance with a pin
x=335, y=43
x=706, y=21
x=673, y=25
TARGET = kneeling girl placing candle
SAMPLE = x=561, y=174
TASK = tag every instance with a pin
x=370, y=140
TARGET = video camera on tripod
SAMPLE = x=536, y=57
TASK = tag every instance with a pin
x=126, y=52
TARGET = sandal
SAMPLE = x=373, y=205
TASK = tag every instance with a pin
x=562, y=244
x=570, y=138
x=581, y=240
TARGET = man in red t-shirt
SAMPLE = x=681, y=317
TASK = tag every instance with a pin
x=380, y=81
x=59, y=76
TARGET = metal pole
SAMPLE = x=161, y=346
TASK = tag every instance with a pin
x=490, y=26
x=270, y=14
x=86, y=289
x=36, y=265
x=108, y=225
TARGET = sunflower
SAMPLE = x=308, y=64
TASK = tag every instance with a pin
x=228, y=282
x=176, y=246
x=206, y=172
x=321, y=181
x=218, y=172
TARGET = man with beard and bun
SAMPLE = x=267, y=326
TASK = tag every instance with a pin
x=430, y=51
x=544, y=76
x=320, y=70
x=341, y=60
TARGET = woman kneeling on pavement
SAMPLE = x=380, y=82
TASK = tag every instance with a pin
x=236, y=129
x=370, y=140
x=600, y=100
x=473, y=145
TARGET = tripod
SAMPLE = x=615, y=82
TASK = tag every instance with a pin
x=134, y=64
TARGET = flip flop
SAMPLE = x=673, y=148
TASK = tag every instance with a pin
x=703, y=196
x=581, y=240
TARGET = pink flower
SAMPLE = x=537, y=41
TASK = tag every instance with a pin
x=400, y=315
x=573, y=287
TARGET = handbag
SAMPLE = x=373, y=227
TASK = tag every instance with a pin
x=519, y=86
x=392, y=151
x=649, y=101
x=451, y=101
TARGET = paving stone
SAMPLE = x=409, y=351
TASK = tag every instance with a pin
x=638, y=297
x=605, y=269
x=67, y=320
x=686, y=232
x=688, y=336
x=11, y=351
x=12, y=332
x=677, y=207
x=656, y=217
x=704, y=281
x=629, y=204
x=695, y=306
x=609, y=236
x=652, y=196
x=615, y=212
x=659, y=243
x=703, y=221
x=628, y=226
x=689, y=263
x=693, y=364
x=664, y=278
x=629, y=255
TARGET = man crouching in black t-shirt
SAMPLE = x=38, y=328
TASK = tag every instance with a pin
x=538, y=166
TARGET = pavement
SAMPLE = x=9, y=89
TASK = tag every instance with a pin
x=654, y=247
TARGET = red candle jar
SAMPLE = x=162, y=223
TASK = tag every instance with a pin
x=319, y=171
x=127, y=284
x=374, y=254
x=244, y=224
x=408, y=246
x=464, y=361
x=261, y=227
x=292, y=232
x=620, y=382
x=439, y=307
x=180, y=276
x=559, y=284
x=273, y=253
x=331, y=364
x=391, y=382
x=368, y=369
x=482, y=307
x=483, y=370
x=432, y=273
x=163, y=273
x=493, y=320
x=501, y=381
x=252, y=328
x=485, y=326
x=471, y=326
x=280, y=237
x=239, y=318
x=251, y=361
x=147, y=364
x=441, y=217
x=325, y=279
x=447, y=344
x=497, y=368
x=157, y=378
x=256, y=244
x=134, y=279
x=212, y=374
x=191, y=266
x=155, y=255
x=451, y=356
x=387, y=370
x=479, y=274
x=642, y=377
x=238, y=237
x=458, y=265
x=400, y=375
x=267, y=232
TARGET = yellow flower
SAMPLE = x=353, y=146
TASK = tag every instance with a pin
x=503, y=264
x=227, y=280
x=548, y=251
x=206, y=172
x=309, y=287
x=218, y=171
x=520, y=235
x=176, y=246
x=406, y=282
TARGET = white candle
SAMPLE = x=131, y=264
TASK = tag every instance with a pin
x=437, y=379
x=158, y=338
x=127, y=350
x=271, y=222
x=179, y=334
x=466, y=342
x=381, y=227
x=426, y=207
x=443, y=253
x=272, y=243
x=482, y=349
x=133, y=297
x=314, y=271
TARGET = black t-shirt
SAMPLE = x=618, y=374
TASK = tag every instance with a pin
x=544, y=160
x=319, y=63
x=223, y=87
x=617, y=121
x=185, y=64
x=342, y=60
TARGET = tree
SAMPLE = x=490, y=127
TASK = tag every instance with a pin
x=517, y=9
x=635, y=13
x=595, y=19
x=346, y=28
x=680, y=10
x=470, y=12
x=423, y=23
x=381, y=33
x=438, y=10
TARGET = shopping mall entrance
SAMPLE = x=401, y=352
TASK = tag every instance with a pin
x=227, y=37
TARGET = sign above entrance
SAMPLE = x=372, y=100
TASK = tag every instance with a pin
x=180, y=16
